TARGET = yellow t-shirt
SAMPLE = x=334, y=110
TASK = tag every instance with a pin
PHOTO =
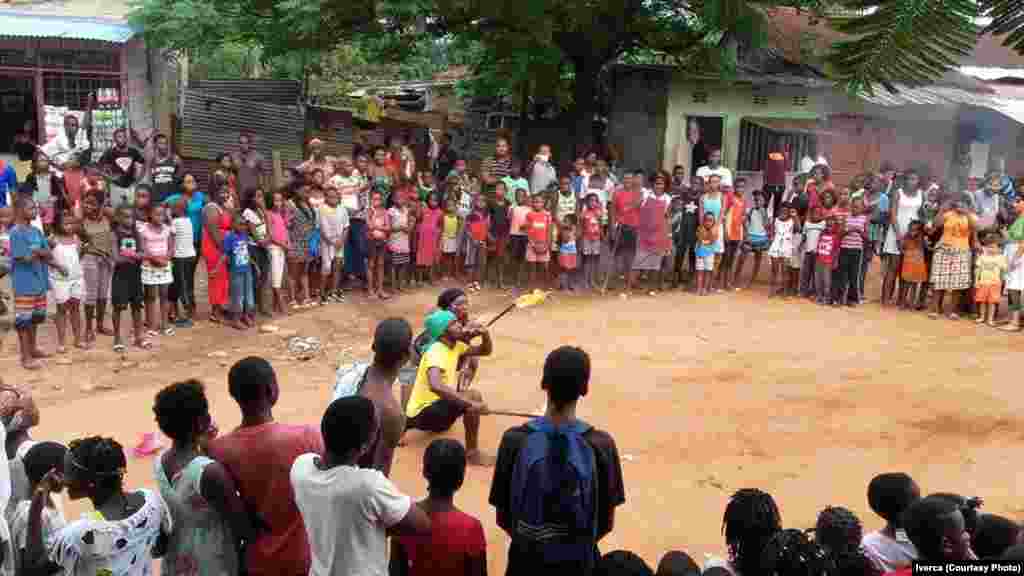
x=439, y=355
x=451, y=227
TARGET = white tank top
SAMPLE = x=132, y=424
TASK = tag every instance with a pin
x=909, y=207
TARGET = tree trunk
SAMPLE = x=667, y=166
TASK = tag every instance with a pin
x=585, y=102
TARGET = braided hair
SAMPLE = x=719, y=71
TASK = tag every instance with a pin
x=839, y=531
x=791, y=553
x=99, y=460
x=750, y=521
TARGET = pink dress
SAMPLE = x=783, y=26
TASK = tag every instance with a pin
x=427, y=235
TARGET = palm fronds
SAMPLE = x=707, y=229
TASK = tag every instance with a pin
x=1007, y=18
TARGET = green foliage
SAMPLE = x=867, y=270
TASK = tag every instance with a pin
x=1007, y=19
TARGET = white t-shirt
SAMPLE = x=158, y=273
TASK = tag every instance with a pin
x=347, y=511
x=888, y=554
x=52, y=521
x=705, y=172
x=184, y=245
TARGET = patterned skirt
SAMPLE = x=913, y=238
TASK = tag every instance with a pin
x=951, y=269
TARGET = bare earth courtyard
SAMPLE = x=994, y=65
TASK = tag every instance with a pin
x=703, y=396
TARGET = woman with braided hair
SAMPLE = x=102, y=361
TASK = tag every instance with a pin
x=119, y=538
x=791, y=553
x=751, y=520
x=839, y=532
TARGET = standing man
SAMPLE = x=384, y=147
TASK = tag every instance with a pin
x=125, y=164
x=164, y=170
x=556, y=531
x=250, y=165
x=775, y=173
x=496, y=167
x=714, y=166
x=623, y=220
x=259, y=454
x=67, y=151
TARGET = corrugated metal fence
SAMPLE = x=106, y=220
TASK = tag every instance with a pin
x=280, y=92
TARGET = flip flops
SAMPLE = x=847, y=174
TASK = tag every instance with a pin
x=148, y=445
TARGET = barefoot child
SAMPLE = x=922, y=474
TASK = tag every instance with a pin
x=278, y=248
x=379, y=230
x=592, y=236
x=236, y=250
x=478, y=225
x=538, y=226
x=449, y=240
x=157, y=245
x=126, y=285
x=30, y=254
x=518, y=240
x=6, y=219
x=914, y=270
x=428, y=245
x=97, y=263
x=781, y=248
x=827, y=259
x=813, y=228
x=707, y=238
x=398, y=243
x=567, y=260
x=989, y=269
x=756, y=240
x=184, y=262
x=796, y=260
x=333, y=236
x=66, y=279
x=500, y=227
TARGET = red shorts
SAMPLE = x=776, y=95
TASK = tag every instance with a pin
x=988, y=294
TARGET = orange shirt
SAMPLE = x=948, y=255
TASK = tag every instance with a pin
x=537, y=225
x=734, y=231
x=956, y=230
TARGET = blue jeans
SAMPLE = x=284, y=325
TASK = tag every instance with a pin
x=356, y=249
x=243, y=299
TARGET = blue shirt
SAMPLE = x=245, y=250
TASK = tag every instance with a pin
x=236, y=247
x=8, y=184
x=194, y=211
x=29, y=277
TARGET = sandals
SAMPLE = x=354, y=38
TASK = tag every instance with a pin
x=1011, y=328
x=120, y=348
x=169, y=331
x=954, y=316
x=144, y=344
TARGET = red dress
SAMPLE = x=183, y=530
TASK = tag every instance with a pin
x=216, y=265
x=429, y=230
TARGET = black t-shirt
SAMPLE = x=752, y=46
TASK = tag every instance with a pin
x=164, y=173
x=122, y=163
x=610, y=492
x=25, y=151
x=499, y=220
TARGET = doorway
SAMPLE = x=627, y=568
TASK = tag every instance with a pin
x=17, y=109
x=707, y=132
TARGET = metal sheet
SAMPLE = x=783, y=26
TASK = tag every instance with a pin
x=281, y=92
x=25, y=25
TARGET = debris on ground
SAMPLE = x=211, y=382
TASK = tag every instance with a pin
x=269, y=329
x=149, y=444
x=304, y=348
x=217, y=354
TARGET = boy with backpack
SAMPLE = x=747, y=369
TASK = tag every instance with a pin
x=557, y=480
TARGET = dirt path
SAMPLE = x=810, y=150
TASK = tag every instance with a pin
x=704, y=396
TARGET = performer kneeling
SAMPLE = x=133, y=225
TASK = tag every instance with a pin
x=436, y=401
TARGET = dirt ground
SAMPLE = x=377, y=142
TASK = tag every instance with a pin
x=703, y=396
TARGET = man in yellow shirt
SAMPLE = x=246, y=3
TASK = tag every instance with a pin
x=436, y=401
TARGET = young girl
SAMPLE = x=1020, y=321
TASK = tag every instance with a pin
x=478, y=225
x=538, y=225
x=851, y=253
x=302, y=223
x=334, y=229
x=755, y=240
x=518, y=239
x=796, y=260
x=66, y=279
x=183, y=264
x=988, y=279
x=567, y=253
x=97, y=264
x=398, y=242
x=500, y=227
x=813, y=228
x=826, y=261
x=782, y=246
x=254, y=212
x=379, y=230
x=592, y=237
x=914, y=270
x=30, y=254
x=126, y=284
x=157, y=246
x=449, y=240
x=425, y=186
x=236, y=250
x=6, y=218
x=707, y=238
x=278, y=248
x=428, y=239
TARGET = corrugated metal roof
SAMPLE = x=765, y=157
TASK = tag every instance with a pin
x=947, y=96
x=281, y=92
x=26, y=25
x=211, y=124
x=989, y=73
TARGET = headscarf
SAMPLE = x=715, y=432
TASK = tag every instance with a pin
x=18, y=410
x=437, y=324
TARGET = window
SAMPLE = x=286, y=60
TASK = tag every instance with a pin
x=755, y=141
x=760, y=98
x=800, y=100
x=700, y=97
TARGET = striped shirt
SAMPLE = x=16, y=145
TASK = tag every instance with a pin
x=497, y=167
x=851, y=240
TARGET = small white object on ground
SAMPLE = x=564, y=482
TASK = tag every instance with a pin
x=217, y=354
x=628, y=457
x=269, y=329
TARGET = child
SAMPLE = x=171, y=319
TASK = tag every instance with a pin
x=567, y=252
x=333, y=236
x=500, y=226
x=184, y=262
x=6, y=218
x=684, y=236
x=40, y=459
x=456, y=544
x=514, y=182
x=889, y=496
x=278, y=248
x=565, y=200
x=990, y=267
x=782, y=246
x=914, y=270
x=450, y=239
x=97, y=263
x=126, y=283
x=707, y=237
x=30, y=279
x=538, y=226
x=236, y=250
x=478, y=225
x=398, y=242
x=812, y=232
x=756, y=239
x=827, y=253
x=518, y=238
x=425, y=186
x=839, y=533
x=793, y=283
x=157, y=245
x=735, y=219
x=66, y=279
x=592, y=237
x=428, y=245
x=851, y=252
x=379, y=225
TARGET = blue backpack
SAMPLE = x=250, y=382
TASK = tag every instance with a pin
x=554, y=493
